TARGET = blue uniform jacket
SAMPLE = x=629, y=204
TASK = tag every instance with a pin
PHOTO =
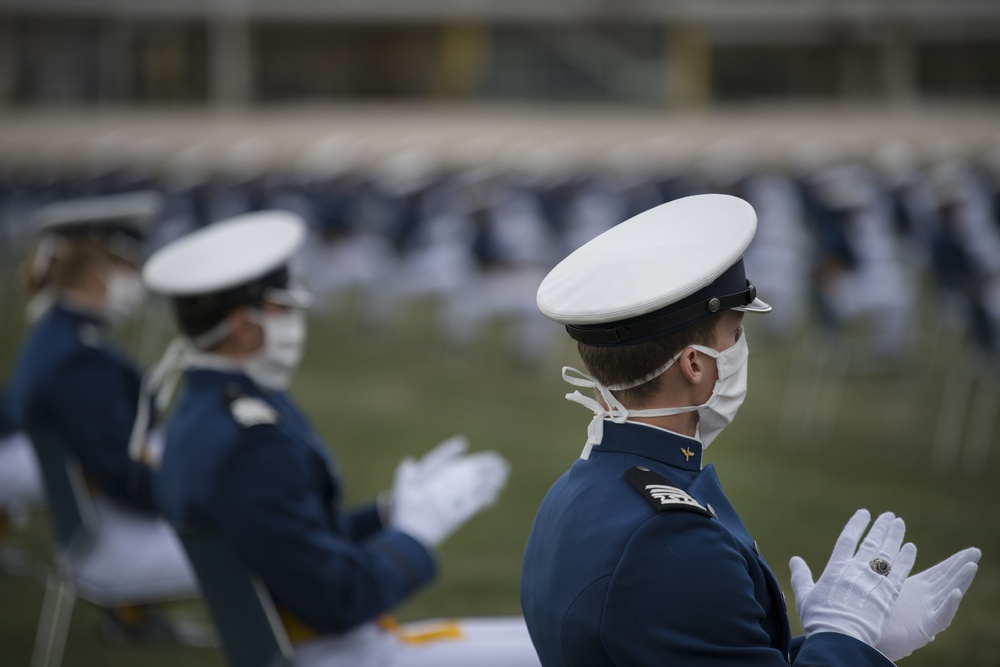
x=610, y=580
x=70, y=376
x=248, y=463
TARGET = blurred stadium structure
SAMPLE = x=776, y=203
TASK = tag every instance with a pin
x=681, y=53
x=872, y=154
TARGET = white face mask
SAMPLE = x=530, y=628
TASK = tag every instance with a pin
x=124, y=294
x=713, y=416
x=729, y=392
x=284, y=341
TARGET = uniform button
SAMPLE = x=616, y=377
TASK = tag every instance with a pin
x=756, y=549
x=711, y=509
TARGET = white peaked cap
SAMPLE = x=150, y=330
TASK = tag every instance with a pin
x=226, y=254
x=655, y=273
x=134, y=211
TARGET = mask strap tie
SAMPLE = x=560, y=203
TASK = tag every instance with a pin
x=611, y=408
x=206, y=340
x=155, y=392
x=160, y=382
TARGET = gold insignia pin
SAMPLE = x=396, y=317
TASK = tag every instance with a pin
x=687, y=453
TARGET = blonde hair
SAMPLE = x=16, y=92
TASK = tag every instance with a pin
x=60, y=262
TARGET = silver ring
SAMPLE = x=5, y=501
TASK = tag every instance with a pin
x=880, y=566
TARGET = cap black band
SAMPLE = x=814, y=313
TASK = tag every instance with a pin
x=624, y=335
x=732, y=285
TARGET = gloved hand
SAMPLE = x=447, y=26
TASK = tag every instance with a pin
x=927, y=603
x=849, y=597
x=432, y=497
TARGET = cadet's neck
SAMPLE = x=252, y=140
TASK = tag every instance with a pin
x=685, y=423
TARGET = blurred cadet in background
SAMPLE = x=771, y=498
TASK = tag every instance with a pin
x=83, y=277
x=411, y=200
x=241, y=458
x=966, y=252
x=348, y=249
x=511, y=246
x=860, y=272
x=850, y=233
x=636, y=556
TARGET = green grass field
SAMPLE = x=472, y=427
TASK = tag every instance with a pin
x=377, y=398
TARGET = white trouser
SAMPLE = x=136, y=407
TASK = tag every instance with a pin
x=20, y=478
x=134, y=558
x=485, y=642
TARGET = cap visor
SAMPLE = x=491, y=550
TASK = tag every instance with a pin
x=757, y=306
x=295, y=296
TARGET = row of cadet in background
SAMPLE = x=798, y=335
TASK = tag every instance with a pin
x=844, y=238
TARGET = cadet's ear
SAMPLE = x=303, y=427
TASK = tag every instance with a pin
x=691, y=365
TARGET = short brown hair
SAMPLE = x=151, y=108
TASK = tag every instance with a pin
x=622, y=364
x=198, y=313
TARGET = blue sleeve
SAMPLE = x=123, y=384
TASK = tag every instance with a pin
x=364, y=522
x=682, y=594
x=817, y=649
x=93, y=403
x=268, y=508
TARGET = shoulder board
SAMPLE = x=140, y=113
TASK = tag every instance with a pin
x=661, y=494
x=250, y=411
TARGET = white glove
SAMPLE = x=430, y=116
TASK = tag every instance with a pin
x=850, y=597
x=432, y=497
x=927, y=603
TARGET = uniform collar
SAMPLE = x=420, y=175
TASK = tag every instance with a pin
x=200, y=378
x=62, y=309
x=651, y=442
